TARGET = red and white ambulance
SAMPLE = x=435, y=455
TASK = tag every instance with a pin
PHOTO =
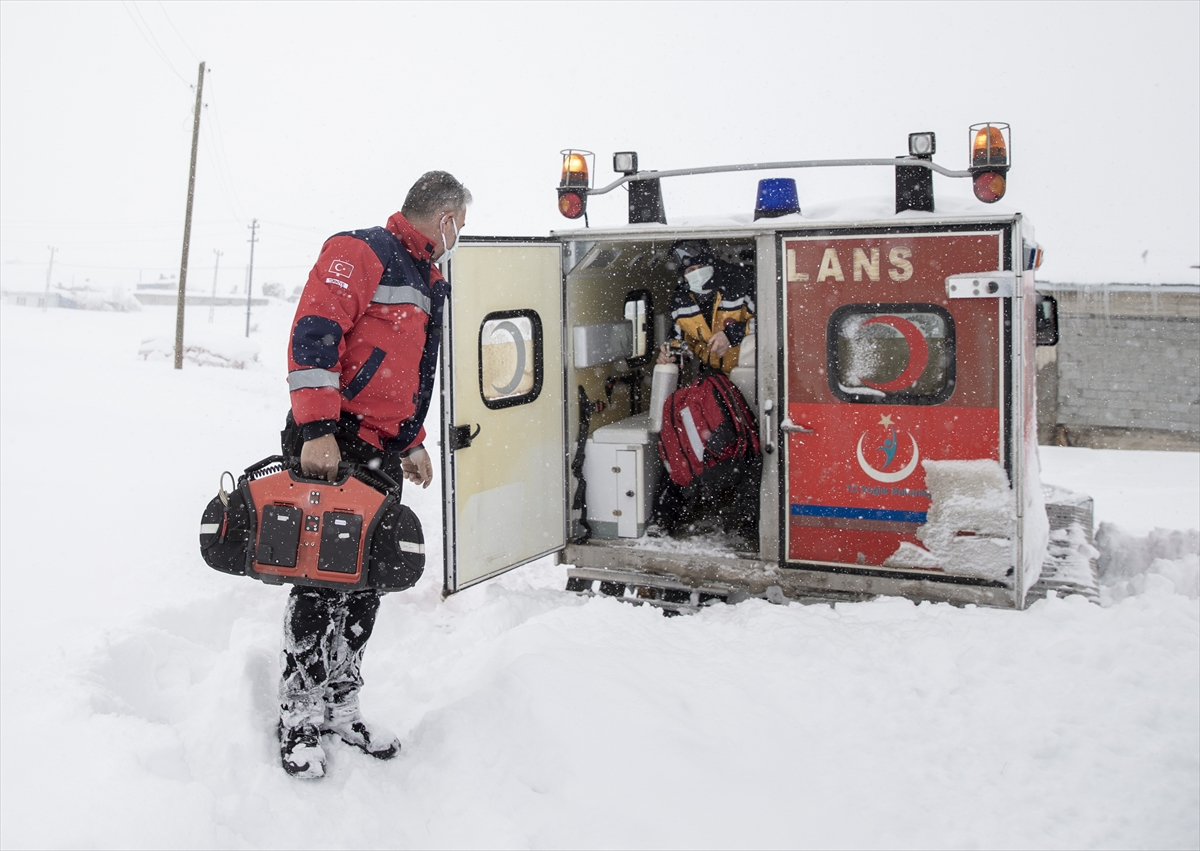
x=891, y=370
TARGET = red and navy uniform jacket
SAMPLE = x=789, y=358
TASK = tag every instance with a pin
x=365, y=340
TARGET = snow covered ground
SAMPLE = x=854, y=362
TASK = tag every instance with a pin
x=137, y=705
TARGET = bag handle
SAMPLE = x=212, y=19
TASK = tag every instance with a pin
x=345, y=469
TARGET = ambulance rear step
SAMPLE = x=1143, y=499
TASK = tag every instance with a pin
x=673, y=595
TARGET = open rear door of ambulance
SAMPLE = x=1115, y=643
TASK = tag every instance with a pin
x=503, y=432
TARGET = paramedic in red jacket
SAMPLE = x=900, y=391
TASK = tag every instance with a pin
x=361, y=361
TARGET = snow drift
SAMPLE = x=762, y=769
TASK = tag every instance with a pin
x=138, y=686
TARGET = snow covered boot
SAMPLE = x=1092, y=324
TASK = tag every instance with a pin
x=301, y=751
x=345, y=721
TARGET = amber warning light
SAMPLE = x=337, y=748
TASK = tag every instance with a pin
x=573, y=188
x=989, y=160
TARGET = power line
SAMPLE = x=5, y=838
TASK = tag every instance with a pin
x=295, y=227
x=222, y=154
x=302, y=241
x=149, y=39
x=172, y=24
x=150, y=31
x=222, y=178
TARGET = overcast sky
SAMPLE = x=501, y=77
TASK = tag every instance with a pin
x=320, y=116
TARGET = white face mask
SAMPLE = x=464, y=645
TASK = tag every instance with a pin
x=697, y=278
x=447, y=253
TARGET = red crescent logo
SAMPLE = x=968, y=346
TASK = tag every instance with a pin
x=918, y=354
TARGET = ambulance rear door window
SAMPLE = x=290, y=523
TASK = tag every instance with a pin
x=510, y=358
x=895, y=354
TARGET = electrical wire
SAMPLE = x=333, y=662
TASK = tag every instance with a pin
x=172, y=25
x=217, y=155
x=309, y=228
x=218, y=171
x=154, y=38
x=222, y=154
x=219, y=161
x=150, y=40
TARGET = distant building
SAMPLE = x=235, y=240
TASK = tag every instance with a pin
x=74, y=298
x=30, y=298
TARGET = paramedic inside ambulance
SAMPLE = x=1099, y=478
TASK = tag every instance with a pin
x=712, y=305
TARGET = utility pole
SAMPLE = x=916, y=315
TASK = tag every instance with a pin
x=187, y=227
x=212, y=307
x=250, y=278
x=49, y=269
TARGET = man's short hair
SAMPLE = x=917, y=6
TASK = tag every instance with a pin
x=435, y=192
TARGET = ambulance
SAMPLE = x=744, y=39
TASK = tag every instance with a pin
x=890, y=367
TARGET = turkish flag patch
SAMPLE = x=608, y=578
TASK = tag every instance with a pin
x=341, y=268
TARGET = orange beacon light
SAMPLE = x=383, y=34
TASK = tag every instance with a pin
x=990, y=144
x=573, y=187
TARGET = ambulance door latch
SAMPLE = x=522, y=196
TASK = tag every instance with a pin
x=461, y=436
x=768, y=410
x=982, y=285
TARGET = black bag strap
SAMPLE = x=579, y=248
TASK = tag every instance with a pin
x=586, y=408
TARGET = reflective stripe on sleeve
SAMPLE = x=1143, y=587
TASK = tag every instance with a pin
x=301, y=379
x=210, y=528
x=401, y=295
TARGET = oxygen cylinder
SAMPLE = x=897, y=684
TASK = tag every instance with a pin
x=662, y=385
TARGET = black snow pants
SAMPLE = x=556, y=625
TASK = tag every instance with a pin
x=727, y=493
x=325, y=631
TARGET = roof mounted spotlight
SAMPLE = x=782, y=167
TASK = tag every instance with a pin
x=625, y=162
x=922, y=145
x=645, y=193
x=990, y=144
x=914, y=183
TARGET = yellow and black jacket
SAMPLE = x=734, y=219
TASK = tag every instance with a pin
x=726, y=304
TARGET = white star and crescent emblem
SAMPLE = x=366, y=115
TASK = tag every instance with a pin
x=889, y=448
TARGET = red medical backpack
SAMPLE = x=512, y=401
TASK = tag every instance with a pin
x=704, y=424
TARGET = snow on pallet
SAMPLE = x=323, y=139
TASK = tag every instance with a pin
x=1070, y=566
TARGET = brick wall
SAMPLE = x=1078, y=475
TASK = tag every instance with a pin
x=1127, y=364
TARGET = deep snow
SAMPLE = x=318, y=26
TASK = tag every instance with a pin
x=137, y=702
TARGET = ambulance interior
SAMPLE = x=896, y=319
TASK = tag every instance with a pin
x=617, y=315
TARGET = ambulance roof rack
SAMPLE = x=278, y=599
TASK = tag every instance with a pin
x=778, y=166
x=990, y=144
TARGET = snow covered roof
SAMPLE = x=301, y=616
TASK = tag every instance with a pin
x=1181, y=289
x=877, y=211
